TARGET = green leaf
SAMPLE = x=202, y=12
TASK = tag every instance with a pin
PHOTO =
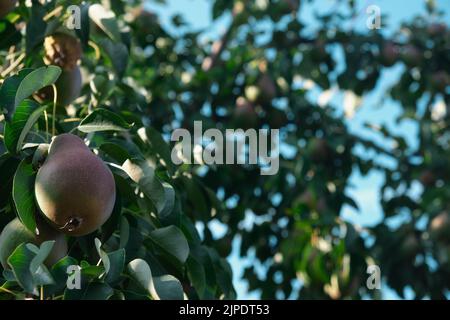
x=27, y=113
x=103, y=120
x=8, y=92
x=196, y=274
x=171, y=241
x=83, y=33
x=35, y=27
x=103, y=256
x=20, y=261
x=159, y=147
x=223, y=272
x=23, y=195
x=59, y=272
x=140, y=271
x=9, y=275
x=201, y=254
x=168, y=288
x=106, y=20
x=124, y=232
x=115, y=151
x=98, y=291
x=9, y=35
x=144, y=175
x=92, y=272
x=169, y=200
x=36, y=80
x=113, y=221
x=117, y=263
x=117, y=52
x=42, y=254
x=90, y=291
x=8, y=166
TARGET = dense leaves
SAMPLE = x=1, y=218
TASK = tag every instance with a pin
x=142, y=81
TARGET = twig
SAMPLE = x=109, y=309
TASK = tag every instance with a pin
x=54, y=12
x=7, y=291
x=72, y=120
x=13, y=65
x=46, y=124
x=96, y=48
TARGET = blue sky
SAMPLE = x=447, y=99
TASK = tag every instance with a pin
x=365, y=189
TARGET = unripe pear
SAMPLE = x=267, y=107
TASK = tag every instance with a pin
x=74, y=189
x=15, y=233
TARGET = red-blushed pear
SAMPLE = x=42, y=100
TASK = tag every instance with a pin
x=64, y=51
x=439, y=228
x=68, y=88
x=440, y=80
x=412, y=55
x=436, y=29
x=74, y=189
x=410, y=246
x=15, y=233
x=427, y=178
x=289, y=6
x=245, y=116
x=266, y=84
x=319, y=150
x=389, y=54
x=6, y=6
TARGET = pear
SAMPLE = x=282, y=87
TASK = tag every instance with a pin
x=389, y=54
x=245, y=115
x=65, y=51
x=74, y=189
x=439, y=227
x=68, y=88
x=319, y=150
x=62, y=50
x=15, y=233
x=6, y=6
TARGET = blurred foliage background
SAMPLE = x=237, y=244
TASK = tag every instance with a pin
x=260, y=73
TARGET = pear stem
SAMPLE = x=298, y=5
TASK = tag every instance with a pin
x=55, y=95
x=46, y=124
